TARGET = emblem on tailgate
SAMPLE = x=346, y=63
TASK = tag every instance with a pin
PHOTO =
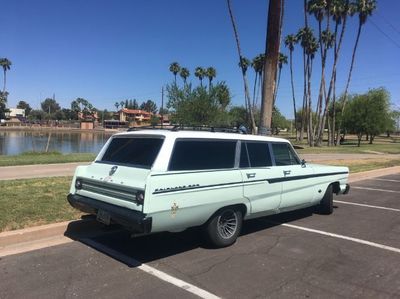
x=113, y=170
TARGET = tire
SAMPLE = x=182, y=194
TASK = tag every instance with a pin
x=325, y=206
x=224, y=227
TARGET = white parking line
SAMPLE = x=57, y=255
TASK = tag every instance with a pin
x=367, y=206
x=360, y=241
x=374, y=189
x=386, y=180
x=150, y=270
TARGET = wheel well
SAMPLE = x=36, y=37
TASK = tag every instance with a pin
x=242, y=207
x=336, y=187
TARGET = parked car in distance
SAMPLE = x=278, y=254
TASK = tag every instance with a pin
x=152, y=181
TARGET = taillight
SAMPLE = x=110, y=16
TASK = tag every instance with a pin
x=140, y=198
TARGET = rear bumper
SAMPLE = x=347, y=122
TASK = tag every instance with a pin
x=132, y=220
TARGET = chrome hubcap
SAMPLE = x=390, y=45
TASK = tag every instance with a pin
x=227, y=224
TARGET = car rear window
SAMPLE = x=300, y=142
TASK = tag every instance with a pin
x=134, y=151
x=203, y=154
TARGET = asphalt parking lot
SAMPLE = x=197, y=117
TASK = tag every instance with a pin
x=353, y=253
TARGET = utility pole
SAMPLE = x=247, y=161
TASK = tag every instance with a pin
x=271, y=64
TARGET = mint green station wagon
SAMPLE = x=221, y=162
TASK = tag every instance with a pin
x=152, y=181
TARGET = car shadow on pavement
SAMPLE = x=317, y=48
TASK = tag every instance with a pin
x=133, y=251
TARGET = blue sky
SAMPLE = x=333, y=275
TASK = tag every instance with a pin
x=108, y=51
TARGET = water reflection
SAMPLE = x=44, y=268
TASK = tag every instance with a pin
x=16, y=142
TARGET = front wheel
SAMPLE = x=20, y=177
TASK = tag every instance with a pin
x=326, y=204
x=224, y=227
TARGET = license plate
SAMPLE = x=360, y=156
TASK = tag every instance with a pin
x=103, y=217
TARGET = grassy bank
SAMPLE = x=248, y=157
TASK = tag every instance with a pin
x=44, y=158
x=25, y=203
x=382, y=144
x=360, y=165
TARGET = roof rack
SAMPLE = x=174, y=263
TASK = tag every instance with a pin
x=174, y=128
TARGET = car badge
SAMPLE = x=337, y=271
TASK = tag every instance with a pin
x=113, y=170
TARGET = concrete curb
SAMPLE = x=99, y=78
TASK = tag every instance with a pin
x=84, y=226
x=355, y=177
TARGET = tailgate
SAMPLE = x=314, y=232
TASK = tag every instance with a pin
x=113, y=184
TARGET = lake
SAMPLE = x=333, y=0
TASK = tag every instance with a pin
x=16, y=142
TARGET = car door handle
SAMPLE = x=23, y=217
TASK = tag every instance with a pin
x=251, y=175
x=286, y=172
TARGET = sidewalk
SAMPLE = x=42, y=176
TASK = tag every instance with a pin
x=38, y=171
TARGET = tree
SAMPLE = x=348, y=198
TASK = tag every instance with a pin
x=149, y=106
x=257, y=63
x=184, y=73
x=200, y=73
x=290, y=42
x=3, y=102
x=50, y=106
x=116, y=104
x=80, y=105
x=364, y=8
x=122, y=104
x=283, y=59
x=211, y=73
x=174, y=68
x=198, y=106
x=6, y=64
x=368, y=114
x=241, y=57
x=271, y=64
x=24, y=105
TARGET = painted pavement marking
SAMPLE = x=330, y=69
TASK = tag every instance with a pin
x=356, y=240
x=150, y=270
x=367, y=206
x=374, y=189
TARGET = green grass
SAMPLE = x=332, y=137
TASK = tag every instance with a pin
x=364, y=164
x=30, y=158
x=25, y=203
x=384, y=145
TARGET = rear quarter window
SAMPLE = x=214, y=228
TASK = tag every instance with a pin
x=200, y=154
x=135, y=151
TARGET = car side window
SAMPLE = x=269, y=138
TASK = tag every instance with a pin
x=284, y=154
x=244, y=157
x=200, y=154
x=258, y=154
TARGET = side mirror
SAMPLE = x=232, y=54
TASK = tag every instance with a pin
x=303, y=163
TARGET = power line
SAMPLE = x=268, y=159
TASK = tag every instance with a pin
x=388, y=23
x=384, y=33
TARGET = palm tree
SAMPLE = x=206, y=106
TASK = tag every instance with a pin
x=364, y=8
x=116, y=105
x=273, y=40
x=246, y=85
x=339, y=10
x=282, y=59
x=174, y=68
x=6, y=64
x=184, y=73
x=211, y=73
x=258, y=64
x=290, y=41
x=122, y=104
x=200, y=73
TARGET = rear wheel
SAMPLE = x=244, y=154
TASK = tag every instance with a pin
x=326, y=204
x=224, y=227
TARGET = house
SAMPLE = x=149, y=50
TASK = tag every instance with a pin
x=135, y=115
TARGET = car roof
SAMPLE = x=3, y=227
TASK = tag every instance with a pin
x=202, y=134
